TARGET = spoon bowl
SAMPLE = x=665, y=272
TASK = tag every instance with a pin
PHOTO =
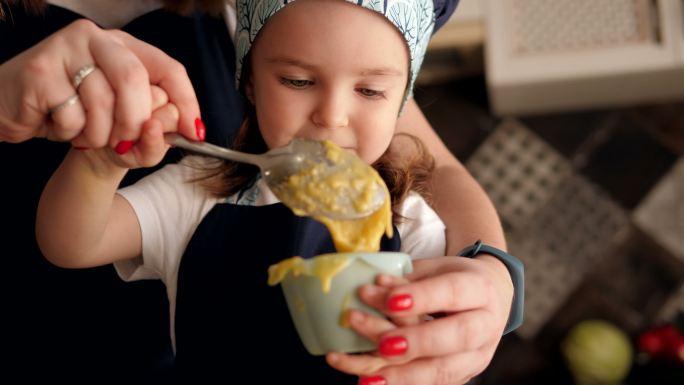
x=312, y=178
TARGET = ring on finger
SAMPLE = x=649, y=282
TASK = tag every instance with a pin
x=82, y=73
x=71, y=100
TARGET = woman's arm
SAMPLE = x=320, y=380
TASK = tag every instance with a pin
x=473, y=296
x=460, y=202
x=458, y=199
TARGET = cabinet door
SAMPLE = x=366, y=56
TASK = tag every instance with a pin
x=544, y=56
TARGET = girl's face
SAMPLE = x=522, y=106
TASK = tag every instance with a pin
x=328, y=69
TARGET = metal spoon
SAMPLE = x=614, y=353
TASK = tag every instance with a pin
x=279, y=164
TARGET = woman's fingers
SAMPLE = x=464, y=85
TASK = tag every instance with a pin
x=358, y=365
x=447, y=370
x=446, y=293
x=469, y=312
x=369, y=326
x=129, y=80
x=171, y=76
x=109, y=105
x=97, y=98
x=451, y=292
x=66, y=119
x=460, y=332
x=376, y=296
x=67, y=52
x=443, y=285
x=99, y=106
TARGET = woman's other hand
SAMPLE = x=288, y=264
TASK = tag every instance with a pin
x=113, y=101
x=445, y=323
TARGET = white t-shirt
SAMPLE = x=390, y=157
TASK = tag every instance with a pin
x=170, y=208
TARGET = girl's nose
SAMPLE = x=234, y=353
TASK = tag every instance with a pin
x=331, y=112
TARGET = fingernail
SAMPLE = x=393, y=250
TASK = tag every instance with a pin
x=400, y=302
x=124, y=146
x=393, y=346
x=201, y=129
x=373, y=380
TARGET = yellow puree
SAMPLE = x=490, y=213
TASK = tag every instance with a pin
x=324, y=267
x=349, y=235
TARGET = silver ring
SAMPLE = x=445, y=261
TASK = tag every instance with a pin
x=73, y=99
x=82, y=73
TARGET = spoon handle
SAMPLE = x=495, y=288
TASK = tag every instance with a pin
x=212, y=150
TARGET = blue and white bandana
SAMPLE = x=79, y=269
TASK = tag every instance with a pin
x=415, y=20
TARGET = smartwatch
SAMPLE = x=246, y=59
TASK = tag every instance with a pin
x=515, y=269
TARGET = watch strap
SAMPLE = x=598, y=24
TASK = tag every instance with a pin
x=517, y=271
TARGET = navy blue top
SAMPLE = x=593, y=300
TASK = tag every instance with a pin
x=66, y=324
x=227, y=317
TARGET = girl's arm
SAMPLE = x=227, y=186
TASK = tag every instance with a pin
x=81, y=221
x=459, y=200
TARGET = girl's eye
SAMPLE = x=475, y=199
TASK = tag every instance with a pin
x=296, y=83
x=367, y=92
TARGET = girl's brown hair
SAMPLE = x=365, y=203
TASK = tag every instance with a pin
x=182, y=7
x=402, y=171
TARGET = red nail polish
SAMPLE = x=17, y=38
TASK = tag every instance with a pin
x=374, y=380
x=400, y=302
x=201, y=129
x=124, y=146
x=393, y=346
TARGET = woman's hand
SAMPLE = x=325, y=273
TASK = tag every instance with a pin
x=113, y=101
x=147, y=150
x=444, y=323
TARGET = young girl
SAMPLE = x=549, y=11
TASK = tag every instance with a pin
x=209, y=230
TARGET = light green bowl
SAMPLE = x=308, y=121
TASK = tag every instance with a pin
x=317, y=315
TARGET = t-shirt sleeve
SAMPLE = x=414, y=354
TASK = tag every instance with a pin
x=422, y=231
x=169, y=208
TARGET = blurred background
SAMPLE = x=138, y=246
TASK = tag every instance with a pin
x=571, y=115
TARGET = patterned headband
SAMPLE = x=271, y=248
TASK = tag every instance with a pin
x=413, y=18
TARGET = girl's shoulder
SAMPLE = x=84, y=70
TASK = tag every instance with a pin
x=422, y=231
x=415, y=207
